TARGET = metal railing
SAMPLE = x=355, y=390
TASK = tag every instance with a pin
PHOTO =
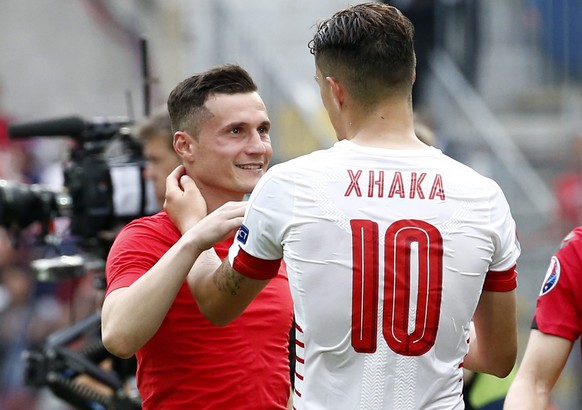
x=490, y=131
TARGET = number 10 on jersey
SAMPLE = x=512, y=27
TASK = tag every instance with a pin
x=413, y=274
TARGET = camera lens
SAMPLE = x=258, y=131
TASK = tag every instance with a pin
x=21, y=204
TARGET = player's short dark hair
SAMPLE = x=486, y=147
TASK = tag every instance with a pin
x=186, y=101
x=369, y=48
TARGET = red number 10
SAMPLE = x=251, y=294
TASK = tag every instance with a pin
x=402, y=336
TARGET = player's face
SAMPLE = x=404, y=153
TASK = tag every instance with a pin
x=233, y=148
x=161, y=161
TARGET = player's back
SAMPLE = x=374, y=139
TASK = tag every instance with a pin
x=387, y=252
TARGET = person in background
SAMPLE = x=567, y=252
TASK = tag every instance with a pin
x=568, y=191
x=556, y=325
x=155, y=134
x=391, y=247
x=424, y=132
x=221, y=133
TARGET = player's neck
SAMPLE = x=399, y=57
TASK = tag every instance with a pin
x=215, y=197
x=388, y=126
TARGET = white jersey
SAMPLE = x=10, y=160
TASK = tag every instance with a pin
x=387, y=253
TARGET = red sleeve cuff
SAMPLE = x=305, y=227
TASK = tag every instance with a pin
x=503, y=281
x=255, y=268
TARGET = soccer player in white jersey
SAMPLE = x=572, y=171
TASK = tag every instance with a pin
x=392, y=248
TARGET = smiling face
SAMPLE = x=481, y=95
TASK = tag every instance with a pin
x=232, y=149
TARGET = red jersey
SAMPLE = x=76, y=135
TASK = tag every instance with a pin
x=559, y=306
x=191, y=363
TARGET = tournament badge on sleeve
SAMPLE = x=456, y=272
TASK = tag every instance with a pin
x=552, y=276
x=243, y=234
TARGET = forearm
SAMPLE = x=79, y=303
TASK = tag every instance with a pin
x=493, y=348
x=132, y=315
x=205, y=264
x=479, y=360
x=527, y=394
x=544, y=359
x=223, y=294
x=474, y=361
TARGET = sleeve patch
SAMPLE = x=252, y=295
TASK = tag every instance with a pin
x=243, y=234
x=552, y=276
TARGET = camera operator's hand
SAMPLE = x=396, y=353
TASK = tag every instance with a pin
x=183, y=202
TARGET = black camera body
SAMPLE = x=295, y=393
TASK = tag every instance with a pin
x=104, y=187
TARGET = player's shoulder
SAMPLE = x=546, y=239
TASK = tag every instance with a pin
x=573, y=239
x=467, y=176
x=459, y=167
x=158, y=225
x=564, y=265
x=568, y=257
x=298, y=165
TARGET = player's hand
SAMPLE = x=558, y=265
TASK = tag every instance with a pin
x=218, y=225
x=184, y=203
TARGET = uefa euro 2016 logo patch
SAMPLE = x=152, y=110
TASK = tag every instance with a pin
x=552, y=276
x=243, y=234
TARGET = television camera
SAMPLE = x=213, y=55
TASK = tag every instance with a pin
x=103, y=189
x=104, y=186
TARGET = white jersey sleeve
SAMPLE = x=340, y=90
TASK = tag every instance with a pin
x=258, y=247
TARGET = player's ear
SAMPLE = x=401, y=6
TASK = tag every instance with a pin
x=184, y=145
x=337, y=91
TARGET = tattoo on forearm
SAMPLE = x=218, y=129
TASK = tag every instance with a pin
x=228, y=280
